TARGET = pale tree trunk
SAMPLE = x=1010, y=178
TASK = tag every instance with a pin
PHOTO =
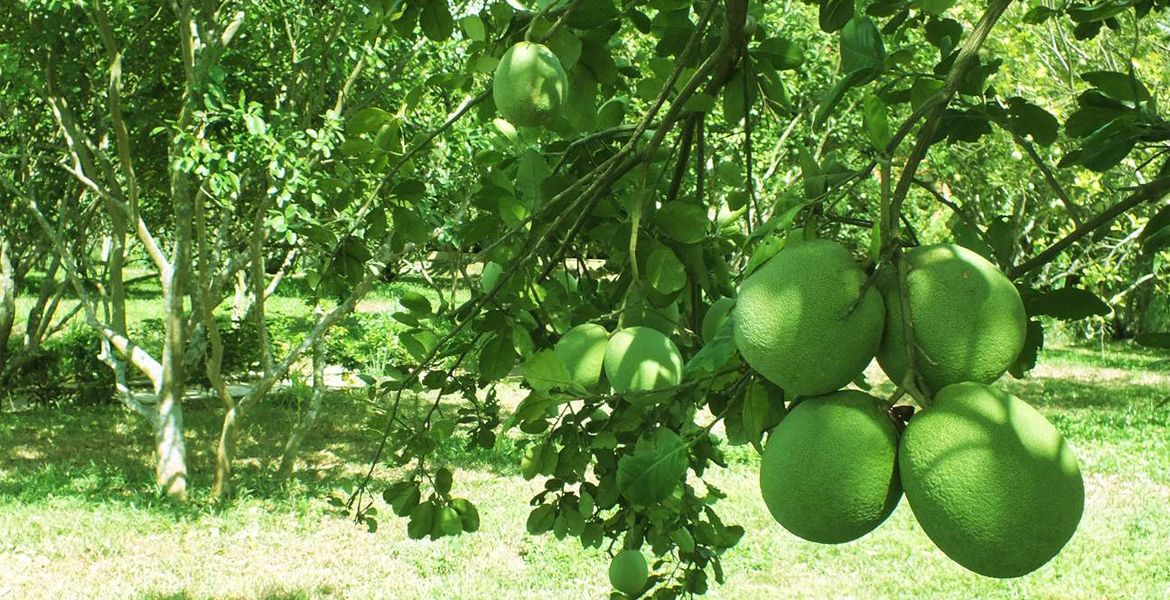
x=297, y=437
x=171, y=471
x=7, y=299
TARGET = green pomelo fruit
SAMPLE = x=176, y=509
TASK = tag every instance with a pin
x=968, y=318
x=829, y=471
x=641, y=359
x=799, y=324
x=715, y=318
x=529, y=85
x=994, y=485
x=628, y=572
x=582, y=349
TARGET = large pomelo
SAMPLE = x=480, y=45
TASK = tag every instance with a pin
x=582, y=349
x=829, y=470
x=994, y=485
x=529, y=85
x=798, y=322
x=641, y=359
x=968, y=318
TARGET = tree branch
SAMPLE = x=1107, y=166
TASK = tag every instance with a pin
x=1152, y=191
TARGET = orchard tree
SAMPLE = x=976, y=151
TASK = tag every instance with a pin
x=687, y=146
x=600, y=179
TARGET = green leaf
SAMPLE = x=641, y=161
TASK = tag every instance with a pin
x=545, y=370
x=715, y=354
x=861, y=46
x=419, y=343
x=835, y=94
x=497, y=357
x=436, y=21
x=684, y=222
x=358, y=148
x=367, y=120
x=1033, y=343
x=1122, y=87
x=1039, y=14
x=1068, y=304
x=541, y=519
x=834, y=14
x=1105, y=148
x=934, y=7
x=422, y=521
x=566, y=46
x=664, y=271
x=443, y=480
x=1157, y=223
x=416, y=303
x=531, y=173
x=876, y=122
x=408, y=224
x=762, y=410
x=764, y=251
x=473, y=27
x=1028, y=120
x=784, y=54
x=656, y=467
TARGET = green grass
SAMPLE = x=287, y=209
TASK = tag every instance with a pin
x=79, y=517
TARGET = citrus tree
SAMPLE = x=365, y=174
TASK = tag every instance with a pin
x=628, y=207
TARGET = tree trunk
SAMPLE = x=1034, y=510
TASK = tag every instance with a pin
x=172, y=450
x=297, y=437
x=7, y=299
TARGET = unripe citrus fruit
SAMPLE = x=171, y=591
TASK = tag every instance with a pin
x=529, y=85
x=969, y=321
x=582, y=349
x=994, y=485
x=829, y=473
x=798, y=321
x=641, y=359
x=628, y=572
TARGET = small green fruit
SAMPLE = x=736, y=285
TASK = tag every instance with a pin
x=582, y=349
x=641, y=359
x=628, y=572
x=529, y=85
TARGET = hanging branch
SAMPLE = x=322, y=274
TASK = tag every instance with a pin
x=1151, y=191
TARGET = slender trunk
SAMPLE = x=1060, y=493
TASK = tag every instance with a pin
x=7, y=299
x=297, y=437
x=258, y=289
x=224, y=453
x=39, y=319
x=171, y=471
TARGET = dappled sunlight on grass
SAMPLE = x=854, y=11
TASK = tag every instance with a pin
x=80, y=518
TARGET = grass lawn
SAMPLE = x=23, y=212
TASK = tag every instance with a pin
x=79, y=518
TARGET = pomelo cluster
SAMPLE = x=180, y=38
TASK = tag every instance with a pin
x=993, y=484
x=635, y=360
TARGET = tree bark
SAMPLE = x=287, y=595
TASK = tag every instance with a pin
x=7, y=299
x=297, y=437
